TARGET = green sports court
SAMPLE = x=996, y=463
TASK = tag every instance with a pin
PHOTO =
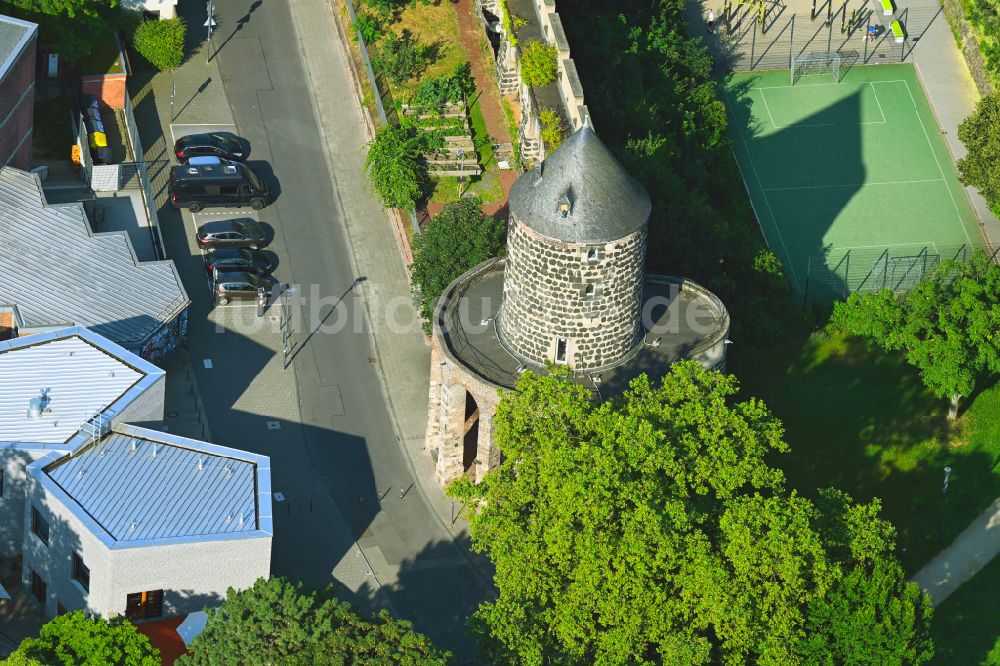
x=853, y=169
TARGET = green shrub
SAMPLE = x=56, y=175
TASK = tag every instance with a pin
x=554, y=129
x=458, y=238
x=539, y=63
x=370, y=28
x=401, y=58
x=432, y=94
x=161, y=42
x=396, y=166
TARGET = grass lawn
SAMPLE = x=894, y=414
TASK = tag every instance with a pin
x=52, y=138
x=862, y=421
x=434, y=25
x=966, y=626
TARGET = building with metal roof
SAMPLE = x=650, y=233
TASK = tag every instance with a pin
x=151, y=523
x=60, y=273
x=17, y=90
x=142, y=486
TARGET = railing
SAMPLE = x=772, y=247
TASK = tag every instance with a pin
x=146, y=189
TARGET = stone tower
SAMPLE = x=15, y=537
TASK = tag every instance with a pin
x=572, y=290
x=575, y=266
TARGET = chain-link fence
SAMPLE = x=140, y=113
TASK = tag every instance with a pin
x=749, y=39
x=840, y=273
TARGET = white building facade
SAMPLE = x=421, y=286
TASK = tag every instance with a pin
x=109, y=517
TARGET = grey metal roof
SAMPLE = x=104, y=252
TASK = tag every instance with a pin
x=141, y=485
x=80, y=378
x=14, y=34
x=606, y=203
x=58, y=272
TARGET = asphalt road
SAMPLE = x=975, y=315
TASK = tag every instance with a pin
x=344, y=452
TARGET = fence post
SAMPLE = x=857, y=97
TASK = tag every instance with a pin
x=791, y=39
x=753, y=45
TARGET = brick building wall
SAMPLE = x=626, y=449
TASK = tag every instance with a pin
x=17, y=104
x=588, y=295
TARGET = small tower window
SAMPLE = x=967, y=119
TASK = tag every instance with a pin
x=589, y=290
x=561, y=350
x=591, y=254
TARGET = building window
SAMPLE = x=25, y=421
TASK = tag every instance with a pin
x=143, y=605
x=589, y=290
x=591, y=254
x=81, y=574
x=38, y=588
x=39, y=527
x=561, y=350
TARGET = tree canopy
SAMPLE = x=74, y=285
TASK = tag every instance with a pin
x=74, y=639
x=458, y=238
x=650, y=529
x=277, y=622
x=946, y=326
x=980, y=133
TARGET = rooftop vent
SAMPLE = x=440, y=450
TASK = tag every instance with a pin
x=155, y=447
x=201, y=464
x=133, y=447
x=38, y=406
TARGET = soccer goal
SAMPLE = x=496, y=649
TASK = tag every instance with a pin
x=812, y=64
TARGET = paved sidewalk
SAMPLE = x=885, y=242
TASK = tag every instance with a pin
x=952, y=94
x=971, y=551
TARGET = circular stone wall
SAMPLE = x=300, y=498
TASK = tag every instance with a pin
x=578, y=304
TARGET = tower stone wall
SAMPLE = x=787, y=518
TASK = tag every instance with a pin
x=586, y=295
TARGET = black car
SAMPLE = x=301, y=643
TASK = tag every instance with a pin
x=242, y=232
x=218, y=144
x=239, y=286
x=239, y=259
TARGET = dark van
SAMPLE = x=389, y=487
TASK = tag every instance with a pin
x=229, y=184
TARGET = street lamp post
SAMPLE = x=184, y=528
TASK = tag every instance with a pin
x=209, y=24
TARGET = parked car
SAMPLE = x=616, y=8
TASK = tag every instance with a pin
x=219, y=144
x=242, y=232
x=229, y=184
x=239, y=259
x=239, y=286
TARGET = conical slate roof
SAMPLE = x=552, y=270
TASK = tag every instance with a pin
x=604, y=202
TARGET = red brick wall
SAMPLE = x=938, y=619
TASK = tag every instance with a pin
x=20, y=77
x=110, y=89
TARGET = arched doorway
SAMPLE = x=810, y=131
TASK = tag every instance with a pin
x=470, y=440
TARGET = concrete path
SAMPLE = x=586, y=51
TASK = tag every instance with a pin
x=971, y=551
x=952, y=95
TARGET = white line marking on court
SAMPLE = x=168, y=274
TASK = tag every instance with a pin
x=869, y=247
x=797, y=125
x=763, y=192
x=823, y=187
x=810, y=85
x=930, y=146
x=764, y=97
x=876, y=101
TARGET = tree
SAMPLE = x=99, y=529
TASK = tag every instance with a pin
x=74, y=639
x=649, y=529
x=539, y=63
x=276, y=622
x=458, y=238
x=161, y=42
x=980, y=133
x=946, y=326
x=396, y=166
